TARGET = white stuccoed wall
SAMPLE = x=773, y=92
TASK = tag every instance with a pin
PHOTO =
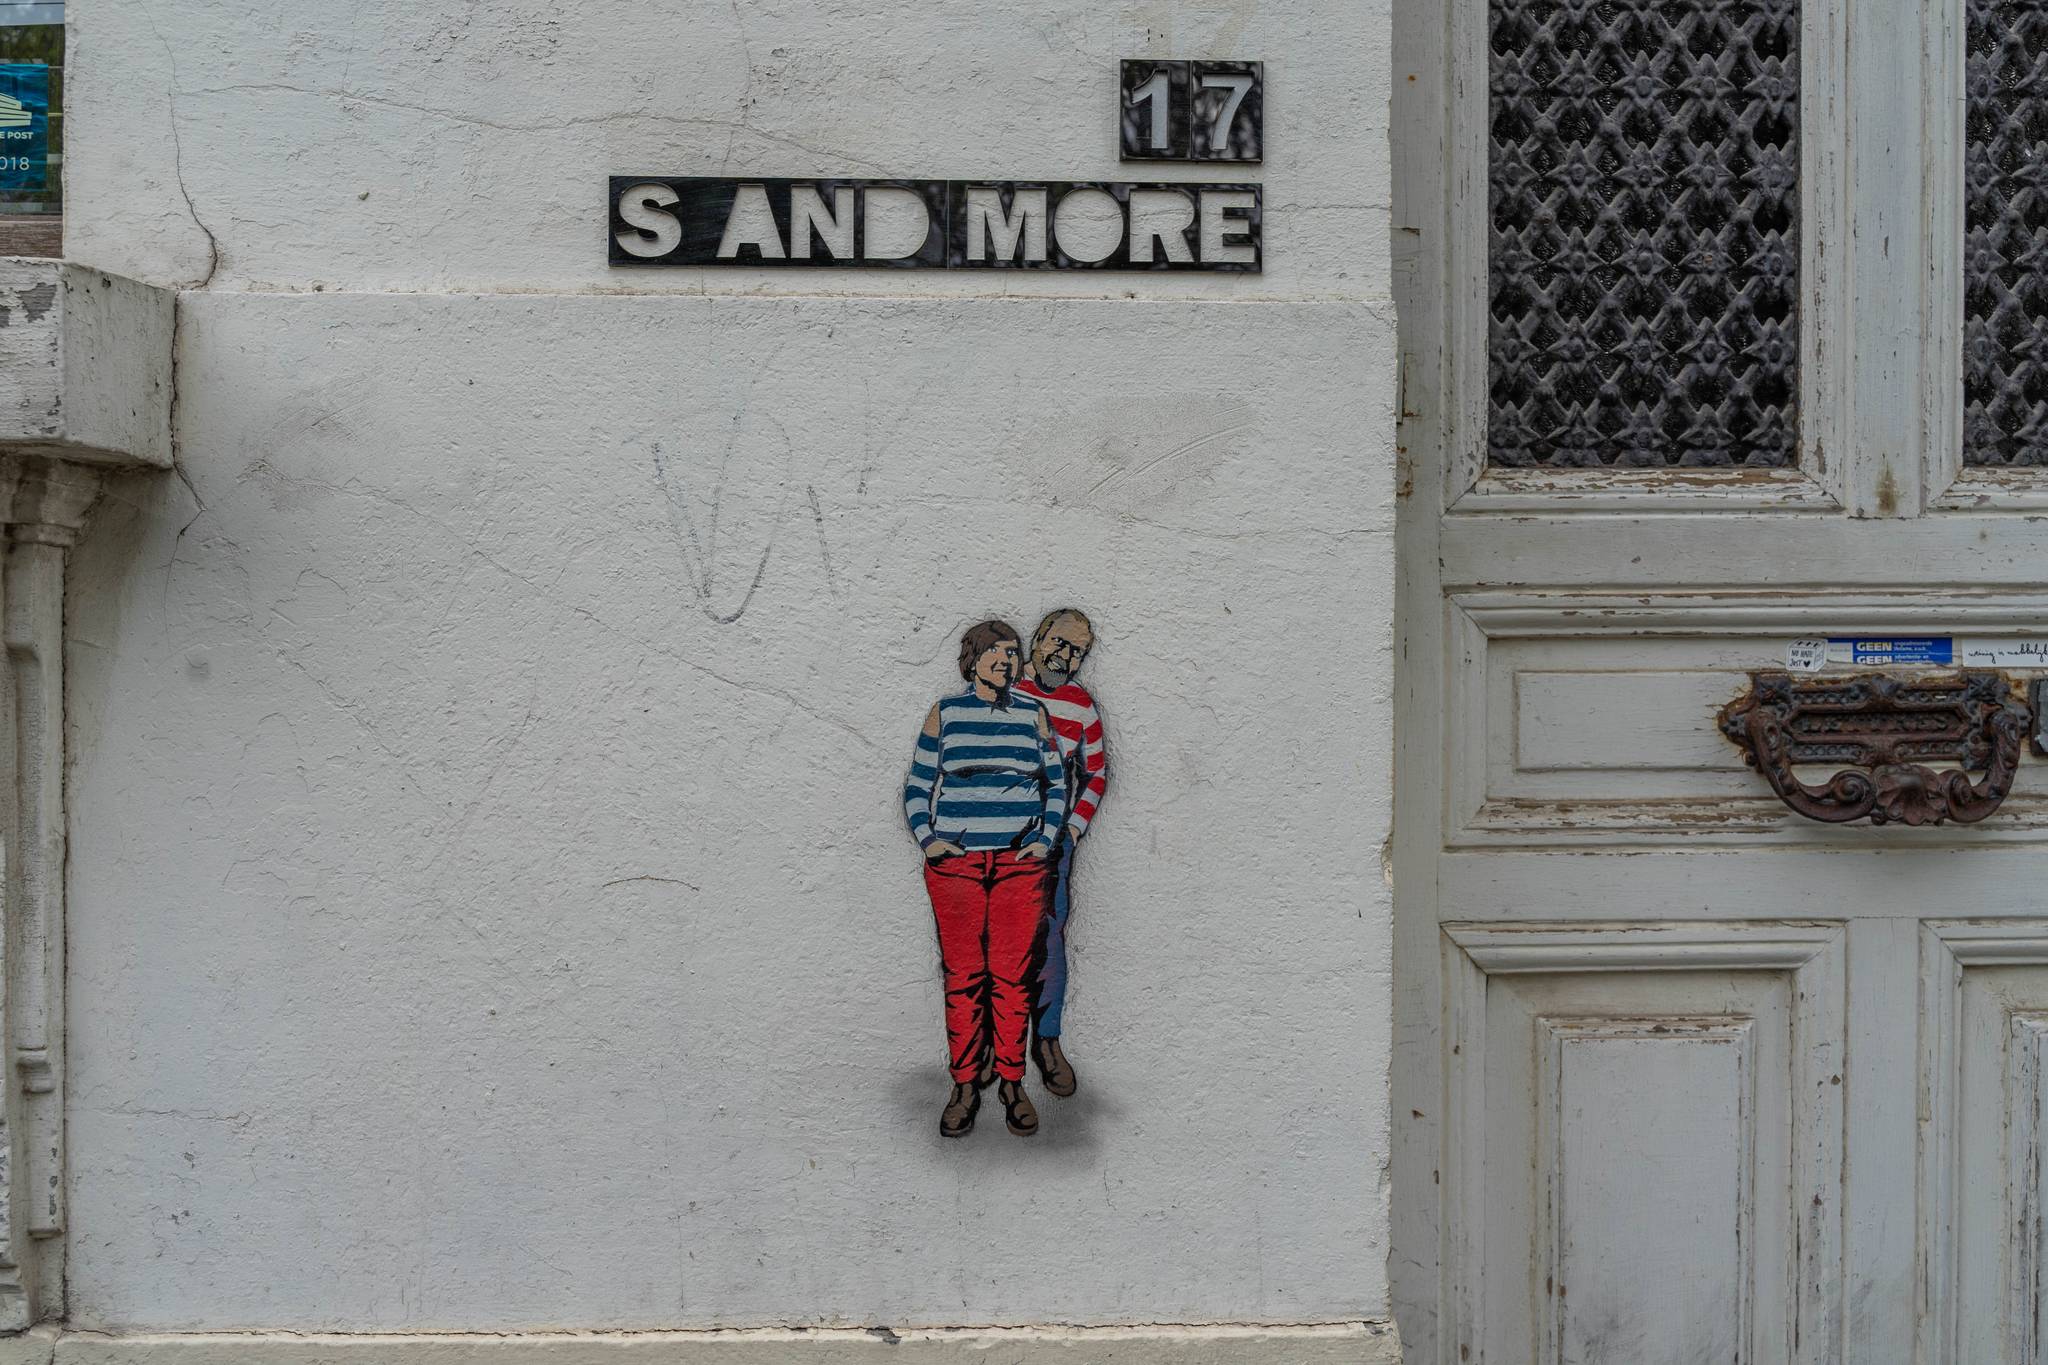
x=490, y=905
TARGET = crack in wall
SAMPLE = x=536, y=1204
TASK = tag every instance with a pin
x=178, y=167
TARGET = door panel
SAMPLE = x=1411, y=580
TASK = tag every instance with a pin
x=1654, y=1216
x=1654, y=1134
x=1591, y=717
x=1986, y=1077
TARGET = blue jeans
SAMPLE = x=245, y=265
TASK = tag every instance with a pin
x=1052, y=977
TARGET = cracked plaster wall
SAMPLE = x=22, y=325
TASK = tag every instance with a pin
x=464, y=144
x=490, y=906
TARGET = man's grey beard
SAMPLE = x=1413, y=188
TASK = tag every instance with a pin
x=1053, y=677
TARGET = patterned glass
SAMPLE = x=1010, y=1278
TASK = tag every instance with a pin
x=1643, y=269
x=2005, y=224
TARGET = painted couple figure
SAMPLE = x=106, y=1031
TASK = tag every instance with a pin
x=1006, y=776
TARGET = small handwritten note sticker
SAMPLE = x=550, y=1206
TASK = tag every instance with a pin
x=2007, y=653
x=1806, y=656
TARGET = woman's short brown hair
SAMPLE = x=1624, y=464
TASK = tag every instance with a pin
x=978, y=640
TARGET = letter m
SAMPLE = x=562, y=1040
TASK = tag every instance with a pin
x=993, y=234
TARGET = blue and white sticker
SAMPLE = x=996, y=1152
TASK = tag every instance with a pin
x=1917, y=649
x=1813, y=654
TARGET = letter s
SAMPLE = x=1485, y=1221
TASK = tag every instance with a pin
x=642, y=206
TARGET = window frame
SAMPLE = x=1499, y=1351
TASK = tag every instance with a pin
x=1880, y=369
x=1954, y=486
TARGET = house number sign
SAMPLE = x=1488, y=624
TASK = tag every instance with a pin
x=1168, y=110
x=1193, y=111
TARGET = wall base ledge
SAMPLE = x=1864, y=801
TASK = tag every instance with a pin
x=1355, y=1343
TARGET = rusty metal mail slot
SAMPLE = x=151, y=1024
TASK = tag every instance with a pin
x=1884, y=732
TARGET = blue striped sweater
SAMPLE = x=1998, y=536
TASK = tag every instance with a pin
x=991, y=779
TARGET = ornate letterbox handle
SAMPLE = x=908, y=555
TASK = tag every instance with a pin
x=1884, y=729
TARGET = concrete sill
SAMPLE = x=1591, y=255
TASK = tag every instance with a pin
x=85, y=365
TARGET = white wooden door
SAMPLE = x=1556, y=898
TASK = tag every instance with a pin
x=1681, y=1076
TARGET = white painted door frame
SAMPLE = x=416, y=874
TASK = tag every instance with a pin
x=1535, y=852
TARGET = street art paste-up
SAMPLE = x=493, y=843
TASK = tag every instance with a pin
x=1058, y=648
x=1003, y=783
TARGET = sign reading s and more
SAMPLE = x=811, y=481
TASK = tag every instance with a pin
x=934, y=224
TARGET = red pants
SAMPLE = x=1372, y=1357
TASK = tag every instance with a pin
x=989, y=907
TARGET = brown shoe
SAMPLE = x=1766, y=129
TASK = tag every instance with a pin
x=1054, y=1067
x=1018, y=1110
x=986, y=1077
x=958, y=1118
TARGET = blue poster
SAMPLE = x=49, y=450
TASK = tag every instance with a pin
x=24, y=126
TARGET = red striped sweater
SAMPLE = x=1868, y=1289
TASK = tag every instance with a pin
x=1077, y=727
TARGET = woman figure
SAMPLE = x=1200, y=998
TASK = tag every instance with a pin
x=985, y=799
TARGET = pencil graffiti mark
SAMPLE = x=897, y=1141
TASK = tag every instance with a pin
x=1188, y=446
x=1142, y=453
x=824, y=549
x=699, y=549
x=665, y=881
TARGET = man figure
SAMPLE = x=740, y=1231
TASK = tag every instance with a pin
x=1062, y=641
